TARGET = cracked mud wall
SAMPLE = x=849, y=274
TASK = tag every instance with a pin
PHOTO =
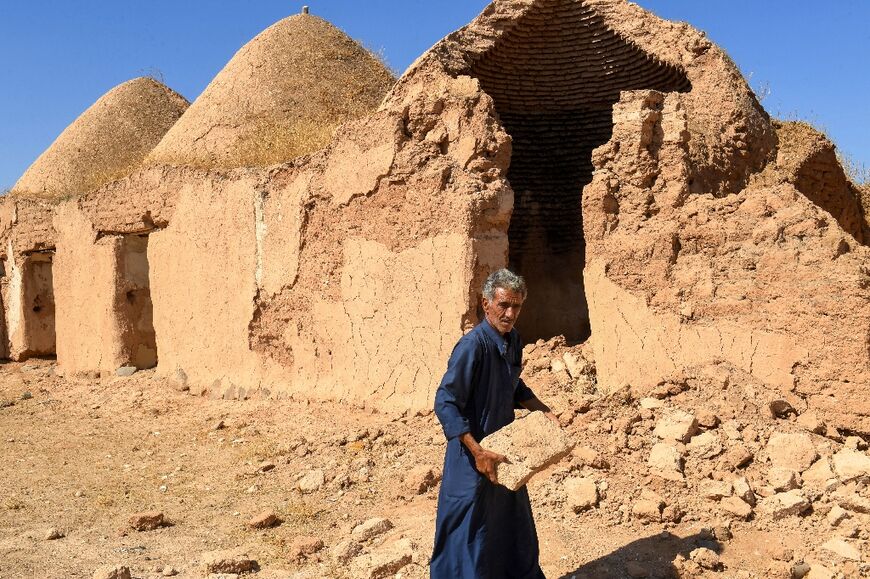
x=86, y=278
x=763, y=278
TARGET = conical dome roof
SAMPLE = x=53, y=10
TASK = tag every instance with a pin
x=282, y=95
x=106, y=142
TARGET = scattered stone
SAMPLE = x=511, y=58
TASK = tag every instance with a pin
x=736, y=506
x=303, y=546
x=855, y=443
x=665, y=461
x=311, y=482
x=742, y=489
x=676, y=425
x=147, y=521
x=421, y=478
x=26, y=395
x=672, y=514
x=178, y=381
x=265, y=467
x=169, y=571
x=819, y=572
x=706, y=445
x=228, y=561
x=651, y=403
x=582, y=493
x=780, y=408
x=125, y=371
x=384, y=562
x=793, y=451
x=715, y=489
x=799, y=570
x=722, y=533
x=6, y=403
x=837, y=515
x=649, y=507
x=783, y=479
x=850, y=465
x=531, y=444
x=736, y=457
x=589, y=457
x=820, y=475
x=705, y=558
x=112, y=572
x=345, y=551
x=264, y=520
x=810, y=421
x=371, y=528
x=706, y=419
x=575, y=365
x=852, y=501
x=782, y=505
x=219, y=425
x=53, y=534
x=843, y=549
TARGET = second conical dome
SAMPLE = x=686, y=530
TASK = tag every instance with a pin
x=282, y=95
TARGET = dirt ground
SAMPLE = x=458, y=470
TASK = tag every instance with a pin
x=82, y=456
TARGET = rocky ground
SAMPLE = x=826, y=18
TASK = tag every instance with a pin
x=707, y=475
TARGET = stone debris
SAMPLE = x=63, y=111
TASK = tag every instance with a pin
x=346, y=550
x=705, y=558
x=146, y=521
x=582, y=493
x=851, y=465
x=53, y=534
x=665, y=461
x=792, y=451
x=303, y=546
x=715, y=489
x=531, y=444
x=817, y=571
x=837, y=515
x=677, y=425
x=842, y=549
x=227, y=561
x=587, y=456
x=736, y=506
x=706, y=445
x=810, y=421
x=311, y=481
x=371, y=528
x=264, y=520
x=783, y=505
x=126, y=371
x=386, y=561
x=112, y=572
x=783, y=479
x=743, y=490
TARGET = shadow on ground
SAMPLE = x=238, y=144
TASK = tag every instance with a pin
x=651, y=557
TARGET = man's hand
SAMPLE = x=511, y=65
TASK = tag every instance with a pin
x=485, y=461
x=553, y=418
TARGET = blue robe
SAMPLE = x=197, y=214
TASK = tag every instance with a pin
x=482, y=530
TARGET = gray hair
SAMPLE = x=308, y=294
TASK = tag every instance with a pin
x=505, y=279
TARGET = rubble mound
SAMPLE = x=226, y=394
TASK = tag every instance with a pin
x=105, y=143
x=282, y=95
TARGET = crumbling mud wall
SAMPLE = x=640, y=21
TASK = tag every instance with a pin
x=27, y=243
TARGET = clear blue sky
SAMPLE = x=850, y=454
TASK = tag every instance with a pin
x=59, y=56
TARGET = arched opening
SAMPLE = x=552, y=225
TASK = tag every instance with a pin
x=554, y=78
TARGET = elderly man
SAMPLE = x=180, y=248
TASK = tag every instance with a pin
x=482, y=529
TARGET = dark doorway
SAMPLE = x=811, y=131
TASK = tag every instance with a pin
x=554, y=78
x=134, y=302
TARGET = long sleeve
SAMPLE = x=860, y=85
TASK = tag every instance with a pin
x=455, y=389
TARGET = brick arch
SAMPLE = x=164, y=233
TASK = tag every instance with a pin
x=554, y=77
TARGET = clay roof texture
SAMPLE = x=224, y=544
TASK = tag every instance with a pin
x=281, y=96
x=106, y=142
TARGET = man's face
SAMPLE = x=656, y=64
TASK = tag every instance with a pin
x=503, y=310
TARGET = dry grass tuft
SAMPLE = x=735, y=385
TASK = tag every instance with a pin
x=281, y=96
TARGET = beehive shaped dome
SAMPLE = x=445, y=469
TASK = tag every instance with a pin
x=282, y=95
x=106, y=142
